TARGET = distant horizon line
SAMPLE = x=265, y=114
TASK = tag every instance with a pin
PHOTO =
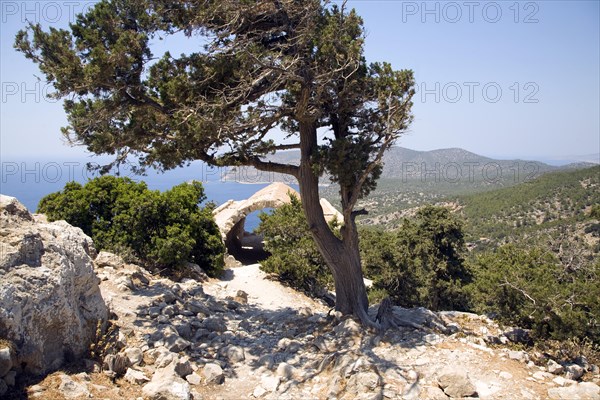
x=556, y=159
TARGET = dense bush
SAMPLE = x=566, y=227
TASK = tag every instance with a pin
x=294, y=256
x=531, y=289
x=158, y=229
x=420, y=264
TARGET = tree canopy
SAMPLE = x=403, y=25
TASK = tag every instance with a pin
x=253, y=67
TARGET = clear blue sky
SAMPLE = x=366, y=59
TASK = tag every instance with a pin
x=506, y=78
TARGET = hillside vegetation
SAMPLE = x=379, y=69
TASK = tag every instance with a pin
x=557, y=211
x=528, y=254
x=414, y=178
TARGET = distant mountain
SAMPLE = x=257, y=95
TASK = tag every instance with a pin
x=457, y=165
x=453, y=166
x=589, y=159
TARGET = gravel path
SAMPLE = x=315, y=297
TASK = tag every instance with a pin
x=262, y=292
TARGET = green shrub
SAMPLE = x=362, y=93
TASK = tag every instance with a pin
x=294, y=256
x=420, y=264
x=531, y=289
x=162, y=230
x=595, y=211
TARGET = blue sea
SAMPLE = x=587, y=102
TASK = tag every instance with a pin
x=29, y=181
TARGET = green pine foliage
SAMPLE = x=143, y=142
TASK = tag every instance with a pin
x=531, y=289
x=420, y=264
x=159, y=230
x=294, y=257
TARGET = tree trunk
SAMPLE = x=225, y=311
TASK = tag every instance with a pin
x=350, y=291
x=342, y=256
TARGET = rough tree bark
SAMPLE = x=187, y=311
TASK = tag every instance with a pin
x=342, y=256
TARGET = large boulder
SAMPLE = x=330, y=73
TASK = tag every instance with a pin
x=50, y=302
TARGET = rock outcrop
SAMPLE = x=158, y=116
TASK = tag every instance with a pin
x=50, y=301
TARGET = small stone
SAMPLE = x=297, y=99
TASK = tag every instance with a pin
x=457, y=385
x=584, y=390
x=560, y=381
x=213, y=373
x=165, y=384
x=367, y=381
x=5, y=361
x=235, y=354
x=71, y=389
x=259, y=391
x=134, y=355
x=135, y=377
x=285, y=371
x=412, y=376
x=184, y=329
x=518, y=355
x=170, y=311
x=540, y=376
x=518, y=335
x=574, y=371
x=270, y=383
x=197, y=308
x=214, y=324
x=168, y=297
x=154, y=311
x=555, y=368
x=105, y=259
x=193, y=379
x=165, y=358
x=183, y=367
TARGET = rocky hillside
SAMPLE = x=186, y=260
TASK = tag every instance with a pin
x=214, y=341
x=245, y=336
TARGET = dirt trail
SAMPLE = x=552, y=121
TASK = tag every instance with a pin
x=262, y=292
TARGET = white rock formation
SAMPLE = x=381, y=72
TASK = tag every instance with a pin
x=50, y=302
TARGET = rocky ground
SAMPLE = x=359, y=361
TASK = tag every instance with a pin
x=246, y=337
